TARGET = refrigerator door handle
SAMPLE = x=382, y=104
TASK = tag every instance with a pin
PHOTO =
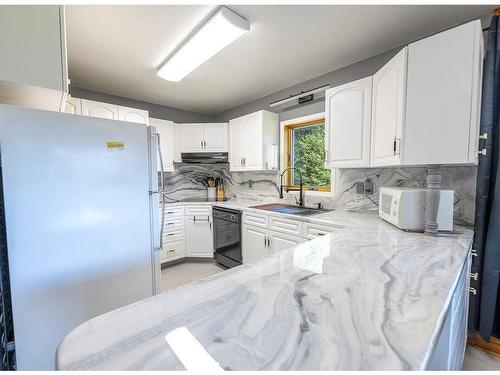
x=162, y=182
x=162, y=220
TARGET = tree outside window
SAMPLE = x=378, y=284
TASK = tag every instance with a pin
x=305, y=151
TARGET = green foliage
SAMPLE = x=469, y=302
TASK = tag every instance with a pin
x=309, y=156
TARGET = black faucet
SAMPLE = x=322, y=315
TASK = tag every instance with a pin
x=301, y=185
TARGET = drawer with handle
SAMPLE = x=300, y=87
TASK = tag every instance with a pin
x=173, y=211
x=175, y=234
x=283, y=225
x=173, y=249
x=311, y=231
x=205, y=210
x=172, y=225
x=256, y=219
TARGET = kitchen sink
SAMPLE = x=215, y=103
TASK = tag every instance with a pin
x=290, y=209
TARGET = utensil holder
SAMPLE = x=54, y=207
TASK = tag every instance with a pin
x=211, y=193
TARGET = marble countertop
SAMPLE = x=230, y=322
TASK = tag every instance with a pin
x=367, y=297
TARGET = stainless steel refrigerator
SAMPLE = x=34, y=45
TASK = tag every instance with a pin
x=80, y=198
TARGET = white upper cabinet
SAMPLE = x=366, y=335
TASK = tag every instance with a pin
x=253, y=141
x=98, y=109
x=109, y=111
x=191, y=137
x=165, y=129
x=215, y=137
x=348, y=119
x=443, y=97
x=235, y=145
x=209, y=137
x=73, y=106
x=133, y=115
x=33, y=67
x=388, y=111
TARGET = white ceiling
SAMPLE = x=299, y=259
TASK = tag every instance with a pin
x=117, y=49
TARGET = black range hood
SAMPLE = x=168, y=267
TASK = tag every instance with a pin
x=204, y=157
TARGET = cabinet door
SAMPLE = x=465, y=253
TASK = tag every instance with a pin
x=388, y=111
x=252, y=142
x=442, y=103
x=215, y=137
x=133, y=115
x=254, y=243
x=348, y=119
x=73, y=106
x=192, y=137
x=33, y=46
x=281, y=241
x=235, y=145
x=167, y=145
x=199, y=236
x=98, y=109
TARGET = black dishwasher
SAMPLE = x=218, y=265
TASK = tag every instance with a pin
x=227, y=236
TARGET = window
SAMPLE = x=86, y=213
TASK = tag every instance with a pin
x=305, y=151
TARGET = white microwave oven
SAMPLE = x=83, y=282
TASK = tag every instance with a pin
x=405, y=208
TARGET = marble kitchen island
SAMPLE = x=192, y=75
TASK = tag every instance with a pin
x=367, y=297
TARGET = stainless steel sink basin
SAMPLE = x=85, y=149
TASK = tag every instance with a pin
x=289, y=209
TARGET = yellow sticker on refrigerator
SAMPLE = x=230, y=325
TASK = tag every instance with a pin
x=115, y=145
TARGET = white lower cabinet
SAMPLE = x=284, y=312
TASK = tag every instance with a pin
x=265, y=235
x=173, y=234
x=449, y=350
x=279, y=241
x=172, y=250
x=254, y=243
x=199, y=233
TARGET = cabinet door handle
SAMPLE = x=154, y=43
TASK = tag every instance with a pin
x=397, y=146
x=201, y=144
x=171, y=251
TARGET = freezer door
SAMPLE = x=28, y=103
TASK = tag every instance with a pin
x=156, y=211
x=77, y=206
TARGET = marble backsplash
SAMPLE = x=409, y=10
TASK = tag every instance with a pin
x=186, y=182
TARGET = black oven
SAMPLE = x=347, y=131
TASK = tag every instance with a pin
x=227, y=236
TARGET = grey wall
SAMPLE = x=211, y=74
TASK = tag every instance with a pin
x=155, y=110
x=349, y=73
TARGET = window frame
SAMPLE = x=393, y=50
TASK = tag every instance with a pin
x=287, y=128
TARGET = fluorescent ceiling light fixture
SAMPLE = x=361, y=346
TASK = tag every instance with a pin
x=223, y=28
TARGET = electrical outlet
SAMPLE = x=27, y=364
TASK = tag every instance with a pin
x=360, y=187
x=364, y=187
x=368, y=187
